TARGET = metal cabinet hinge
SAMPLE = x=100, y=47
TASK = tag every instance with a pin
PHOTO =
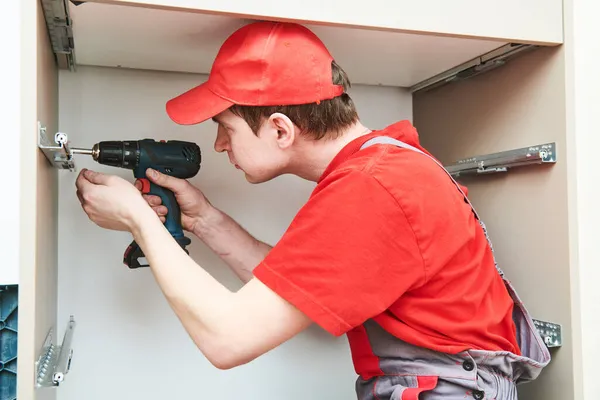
x=55, y=361
x=58, y=153
x=550, y=332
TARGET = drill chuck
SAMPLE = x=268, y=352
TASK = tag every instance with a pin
x=121, y=154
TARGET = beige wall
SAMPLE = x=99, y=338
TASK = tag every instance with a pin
x=520, y=104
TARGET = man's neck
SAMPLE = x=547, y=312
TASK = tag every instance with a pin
x=313, y=156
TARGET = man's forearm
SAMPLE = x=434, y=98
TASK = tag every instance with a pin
x=228, y=327
x=202, y=304
x=240, y=250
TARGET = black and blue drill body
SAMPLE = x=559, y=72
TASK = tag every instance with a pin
x=175, y=158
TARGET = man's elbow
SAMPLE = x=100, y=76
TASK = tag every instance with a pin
x=225, y=357
x=225, y=363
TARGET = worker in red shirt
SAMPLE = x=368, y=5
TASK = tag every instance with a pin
x=387, y=250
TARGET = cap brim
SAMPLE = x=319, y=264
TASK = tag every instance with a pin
x=196, y=105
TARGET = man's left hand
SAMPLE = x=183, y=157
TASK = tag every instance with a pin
x=110, y=201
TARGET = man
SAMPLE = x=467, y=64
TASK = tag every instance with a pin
x=387, y=250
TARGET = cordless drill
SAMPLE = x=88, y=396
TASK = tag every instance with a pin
x=175, y=158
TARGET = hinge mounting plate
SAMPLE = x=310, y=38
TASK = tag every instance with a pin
x=550, y=332
x=58, y=153
x=55, y=361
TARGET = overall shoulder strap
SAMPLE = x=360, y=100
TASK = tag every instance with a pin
x=399, y=143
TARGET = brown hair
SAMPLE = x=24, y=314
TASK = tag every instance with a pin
x=326, y=119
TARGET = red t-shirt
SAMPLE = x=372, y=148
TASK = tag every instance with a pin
x=387, y=236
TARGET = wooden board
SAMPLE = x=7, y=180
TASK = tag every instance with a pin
x=39, y=200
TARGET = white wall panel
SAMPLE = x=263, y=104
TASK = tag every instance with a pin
x=128, y=341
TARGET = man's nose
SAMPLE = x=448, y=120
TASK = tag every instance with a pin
x=221, y=143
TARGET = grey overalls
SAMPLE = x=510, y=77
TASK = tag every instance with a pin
x=412, y=372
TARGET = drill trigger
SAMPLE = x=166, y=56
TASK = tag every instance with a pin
x=145, y=185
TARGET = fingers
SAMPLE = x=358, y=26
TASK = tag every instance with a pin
x=80, y=196
x=161, y=211
x=81, y=181
x=84, y=187
x=86, y=179
x=152, y=200
x=166, y=181
x=96, y=178
x=156, y=203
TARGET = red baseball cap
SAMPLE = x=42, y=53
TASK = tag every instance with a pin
x=260, y=64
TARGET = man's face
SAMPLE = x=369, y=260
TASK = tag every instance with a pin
x=260, y=156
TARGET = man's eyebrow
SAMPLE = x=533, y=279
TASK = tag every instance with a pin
x=215, y=120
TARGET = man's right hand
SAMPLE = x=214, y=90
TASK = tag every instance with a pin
x=192, y=202
x=217, y=230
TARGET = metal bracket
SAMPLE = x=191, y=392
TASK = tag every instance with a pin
x=550, y=332
x=502, y=161
x=476, y=66
x=58, y=153
x=55, y=361
x=60, y=31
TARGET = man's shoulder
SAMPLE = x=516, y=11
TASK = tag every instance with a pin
x=392, y=167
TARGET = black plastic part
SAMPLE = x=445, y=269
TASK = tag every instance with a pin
x=121, y=154
x=133, y=253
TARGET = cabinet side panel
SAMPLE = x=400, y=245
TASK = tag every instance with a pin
x=581, y=34
x=46, y=236
x=39, y=194
x=27, y=211
x=518, y=105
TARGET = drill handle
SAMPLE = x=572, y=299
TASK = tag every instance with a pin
x=172, y=222
x=173, y=217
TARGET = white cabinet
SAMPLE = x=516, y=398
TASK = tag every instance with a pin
x=377, y=42
x=407, y=60
x=536, y=21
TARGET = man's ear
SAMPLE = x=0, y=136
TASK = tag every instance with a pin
x=284, y=129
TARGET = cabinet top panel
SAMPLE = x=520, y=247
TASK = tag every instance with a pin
x=116, y=35
x=532, y=21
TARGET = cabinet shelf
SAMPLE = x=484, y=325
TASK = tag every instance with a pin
x=165, y=36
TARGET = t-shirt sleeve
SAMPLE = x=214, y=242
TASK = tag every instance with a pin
x=349, y=253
